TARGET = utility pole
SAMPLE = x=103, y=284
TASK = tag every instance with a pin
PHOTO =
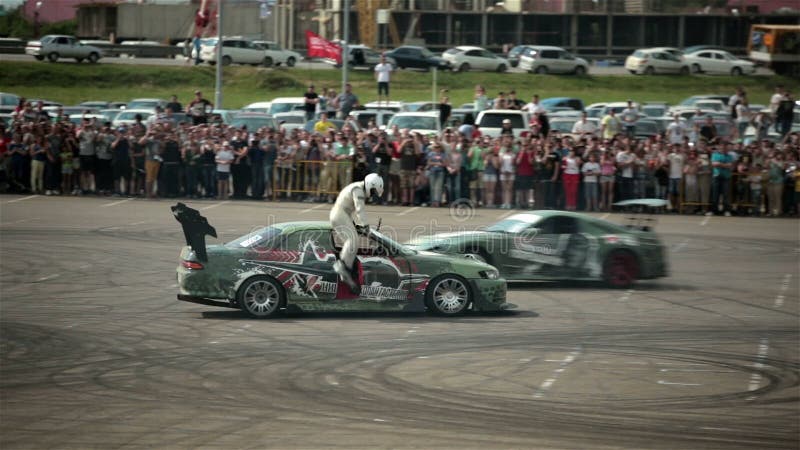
x=345, y=35
x=218, y=85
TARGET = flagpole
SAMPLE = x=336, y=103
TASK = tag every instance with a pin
x=218, y=83
x=345, y=35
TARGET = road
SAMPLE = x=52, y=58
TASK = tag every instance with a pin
x=95, y=351
x=310, y=65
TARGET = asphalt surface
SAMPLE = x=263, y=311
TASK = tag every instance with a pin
x=304, y=65
x=96, y=352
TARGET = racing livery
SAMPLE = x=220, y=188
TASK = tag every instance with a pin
x=558, y=245
x=290, y=266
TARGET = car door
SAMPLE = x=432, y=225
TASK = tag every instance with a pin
x=549, y=59
x=60, y=45
x=566, y=62
x=474, y=59
x=552, y=248
x=303, y=263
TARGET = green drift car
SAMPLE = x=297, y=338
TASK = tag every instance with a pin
x=558, y=245
x=289, y=266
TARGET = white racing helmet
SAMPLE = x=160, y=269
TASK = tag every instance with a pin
x=374, y=182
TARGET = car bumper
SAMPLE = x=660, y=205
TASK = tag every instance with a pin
x=199, y=283
x=34, y=51
x=489, y=295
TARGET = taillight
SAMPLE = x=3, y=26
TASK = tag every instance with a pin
x=193, y=265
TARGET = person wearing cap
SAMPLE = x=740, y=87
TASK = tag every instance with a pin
x=199, y=108
x=506, y=129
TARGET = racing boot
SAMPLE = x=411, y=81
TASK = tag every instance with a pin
x=345, y=276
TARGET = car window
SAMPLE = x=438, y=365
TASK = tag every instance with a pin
x=566, y=55
x=639, y=54
x=298, y=240
x=549, y=54
x=492, y=120
x=61, y=40
x=263, y=238
x=704, y=55
x=415, y=122
x=565, y=225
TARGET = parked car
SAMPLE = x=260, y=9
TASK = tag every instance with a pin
x=55, y=46
x=78, y=119
x=490, y=121
x=676, y=52
x=465, y=58
x=618, y=107
x=653, y=62
x=515, y=53
x=561, y=102
x=146, y=103
x=546, y=59
x=718, y=61
x=275, y=54
x=413, y=57
x=379, y=116
x=95, y=104
x=690, y=101
x=646, y=128
x=363, y=56
x=564, y=125
x=419, y=122
x=654, y=109
x=421, y=106
x=236, y=50
x=395, y=106
x=128, y=116
x=252, y=121
x=8, y=102
x=286, y=104
x=258, y=107
x=711, y=104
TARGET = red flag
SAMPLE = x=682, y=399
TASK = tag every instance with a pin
x=319, y=47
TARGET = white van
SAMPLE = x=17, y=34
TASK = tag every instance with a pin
x=287, y=104
x=490, y=121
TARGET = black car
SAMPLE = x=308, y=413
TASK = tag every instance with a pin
x=416, y=58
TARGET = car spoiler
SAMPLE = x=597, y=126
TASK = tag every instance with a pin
x=640, y=208
x=195, y=229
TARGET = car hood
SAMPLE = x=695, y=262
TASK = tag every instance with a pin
x=463, y=265
x=438, y=241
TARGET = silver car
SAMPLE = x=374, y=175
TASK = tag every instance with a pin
x=546, y=59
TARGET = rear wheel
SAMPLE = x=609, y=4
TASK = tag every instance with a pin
x=541, y=70
x=52, y=57
x=649, y=70
x=448, y=295
x=736, y=71
x=620, y=269
x=267, y=62
x=463, y=67
x=260, y=297
x=696, y=68
x=291, y=61
x=580, y=71
x=93, y=57
x=226, y=60
x=502, y=68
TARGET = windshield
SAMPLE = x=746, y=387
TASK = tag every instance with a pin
x=414, y=122
x=131, y=115
x=564, y=126
x=143, y=104
x=496, y=120
x=515, y=225
x=257, y=238
x=427, y=53
x=282, y=107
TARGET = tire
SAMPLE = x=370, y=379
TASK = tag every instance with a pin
x=620, y=269
x=39, y=57
x=463, y=67
x=226, y=60
x=291, y=61
x=696, y=68
x=93, y=58
x=649, y=70
x=736, y=71
x=501, y=68
x=541, y=70
x=267, y=62
x=261, y=297
x=52, y=56
x=580, y=71
x=684, y=70
x=448, y=295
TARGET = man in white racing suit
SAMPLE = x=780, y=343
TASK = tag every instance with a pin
x=348, y=219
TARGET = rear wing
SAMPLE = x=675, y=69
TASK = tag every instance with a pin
x=640, y=212
x=195, y=229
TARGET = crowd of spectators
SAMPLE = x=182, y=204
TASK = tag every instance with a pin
x=695, y=170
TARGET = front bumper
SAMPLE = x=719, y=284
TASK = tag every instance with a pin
x=489, y=295
x=34, y=51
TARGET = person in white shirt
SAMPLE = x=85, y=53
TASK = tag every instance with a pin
x=629, y=117
x=775, y=100
x=742, y=118
x=584, y=126
x=676, y=159
x=533, y=106
x=383, y=72
x=591, y=170
x=676, y=131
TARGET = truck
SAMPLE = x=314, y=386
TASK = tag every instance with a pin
x=776, y=47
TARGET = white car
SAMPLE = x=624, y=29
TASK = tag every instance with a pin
x=718, y=61
x=543, y=59
x=236, y=50
x=275, y=54
x=55, y=46
x=418, y=122
x=490, y=121
x=465, y=58
x=149, y=104
x=652, y=62
x=387, y=106
x=378, y=116
x=128, y=116
x=286, y=104
x=262, y=107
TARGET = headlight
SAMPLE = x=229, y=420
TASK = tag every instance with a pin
x=492, y=274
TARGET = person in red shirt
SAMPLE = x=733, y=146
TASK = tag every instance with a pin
x=526, y=159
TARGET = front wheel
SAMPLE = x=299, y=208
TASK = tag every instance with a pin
x=93, y=57
x=463, y=67
x=448, y=295
x=267, y=61
x=226, y=60
x=52, y=57
x=736, y=71
x=502, y=68
x=620, y=269
x=260, y=297
x=580, y=71
x=291, y=61
x=649, y=70
x=541, y=70
x=696, y=68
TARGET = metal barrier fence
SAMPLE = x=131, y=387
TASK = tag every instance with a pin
x=740, y=194
x=310, y=177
